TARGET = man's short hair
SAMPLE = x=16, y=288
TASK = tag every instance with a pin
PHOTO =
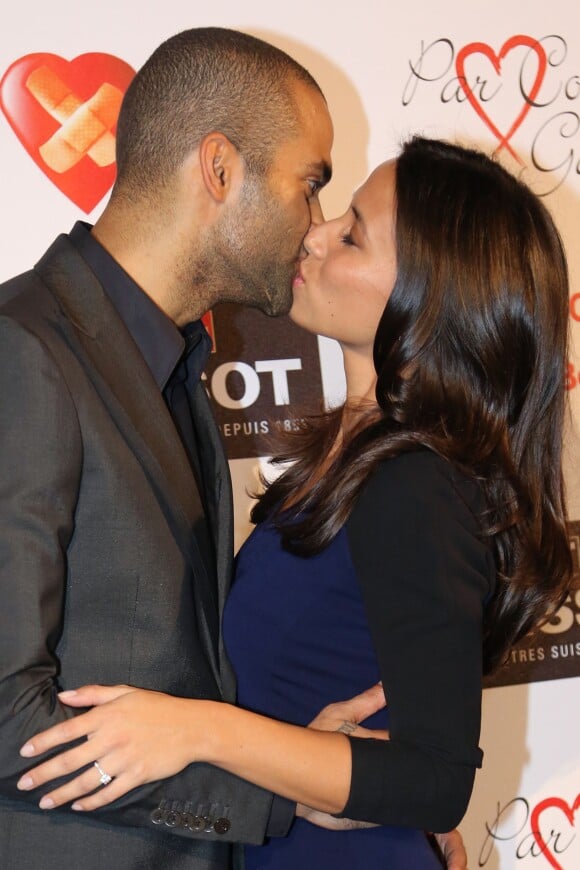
x=203, y=80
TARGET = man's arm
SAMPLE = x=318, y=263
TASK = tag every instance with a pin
x=40, y=468
x=41, y=458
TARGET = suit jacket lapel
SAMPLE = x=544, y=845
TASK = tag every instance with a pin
x=124, y=382
x=118, y=369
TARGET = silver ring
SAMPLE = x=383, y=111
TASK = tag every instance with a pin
x=347, y=727
x=105, y=779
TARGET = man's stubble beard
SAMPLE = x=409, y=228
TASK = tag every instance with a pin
x=249, y=257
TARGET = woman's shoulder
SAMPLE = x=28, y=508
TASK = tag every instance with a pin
x=419, y=514
x=420, y=462
x=423, y=482
x=422, y=466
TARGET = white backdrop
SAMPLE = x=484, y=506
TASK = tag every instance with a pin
x=387, y=71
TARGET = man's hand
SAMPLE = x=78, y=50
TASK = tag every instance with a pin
x=344, y=716
x=331, y=823
x=452, y=850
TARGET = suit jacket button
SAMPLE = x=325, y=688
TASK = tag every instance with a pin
x=173, y=819
x=197, y=824
x=187, y=820
x=158, y=815
x=221, y=825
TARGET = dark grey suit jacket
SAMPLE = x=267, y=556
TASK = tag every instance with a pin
x=97, y=507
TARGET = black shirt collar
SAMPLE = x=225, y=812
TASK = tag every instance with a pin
x=156, y=336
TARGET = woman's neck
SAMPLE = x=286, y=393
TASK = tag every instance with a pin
x=361, y=378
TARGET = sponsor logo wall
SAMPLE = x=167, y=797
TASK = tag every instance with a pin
x=552, y=652
x=504, y=77
x=260, y=369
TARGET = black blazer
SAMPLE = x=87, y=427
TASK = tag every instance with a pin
x=426, y=572
x=97, y=507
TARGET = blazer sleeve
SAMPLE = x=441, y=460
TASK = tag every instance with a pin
x=425, y=573
x=40, y=468
x=41, y=457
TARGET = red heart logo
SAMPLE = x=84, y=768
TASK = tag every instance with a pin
x=496, y=59
x=558, y=804
x=207, y=320
x=65, y=115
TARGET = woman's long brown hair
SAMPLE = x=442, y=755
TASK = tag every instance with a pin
x=470, y=356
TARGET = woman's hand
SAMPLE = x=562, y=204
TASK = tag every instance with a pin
x=135, y=736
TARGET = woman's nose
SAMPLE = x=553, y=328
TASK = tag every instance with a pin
x=314, y=240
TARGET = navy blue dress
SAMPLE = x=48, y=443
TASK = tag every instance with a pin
x=298, y=638
x=398, y=595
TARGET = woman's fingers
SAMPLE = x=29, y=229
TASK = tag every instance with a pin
x=78, y=787
x=61, y=765
x=87, y=791
x=93, y=696
x=106, y=795
x=79, y=726
x=64, y=732
x=104, y=780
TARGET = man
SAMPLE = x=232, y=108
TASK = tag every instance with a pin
x=116, y=542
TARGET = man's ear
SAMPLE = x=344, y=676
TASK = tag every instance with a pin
x=221, y=165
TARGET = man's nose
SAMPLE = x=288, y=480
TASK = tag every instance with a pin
x=316, y=215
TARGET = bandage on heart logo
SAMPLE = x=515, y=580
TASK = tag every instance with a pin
x=482, y=48
x=65, y=115
x=569, y=812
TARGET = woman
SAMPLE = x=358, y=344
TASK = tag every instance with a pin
x=418, y=532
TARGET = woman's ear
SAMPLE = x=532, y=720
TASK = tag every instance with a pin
x=221, y=165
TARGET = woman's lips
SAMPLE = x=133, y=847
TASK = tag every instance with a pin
x=298, y=277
